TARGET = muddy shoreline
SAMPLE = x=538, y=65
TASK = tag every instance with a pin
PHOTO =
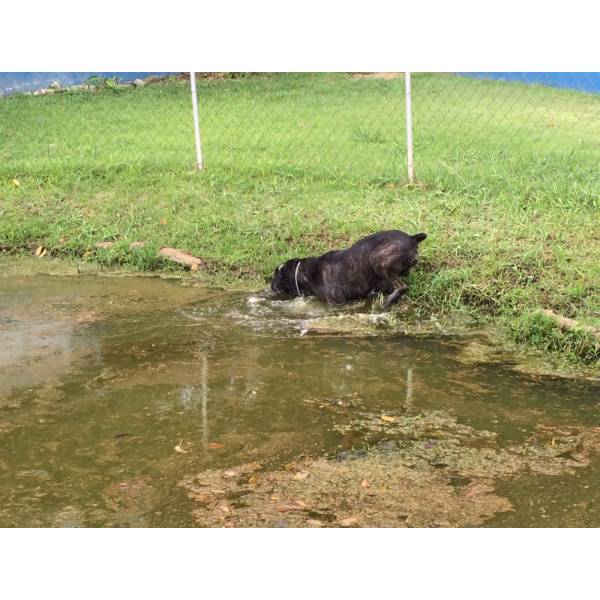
x=479, y=344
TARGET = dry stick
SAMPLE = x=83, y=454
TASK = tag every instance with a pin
x=181, y=257
x=173, y=254
x=569, y=324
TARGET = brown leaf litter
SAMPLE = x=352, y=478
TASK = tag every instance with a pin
x=431, y=472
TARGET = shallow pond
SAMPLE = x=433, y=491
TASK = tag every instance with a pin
x=148, y=402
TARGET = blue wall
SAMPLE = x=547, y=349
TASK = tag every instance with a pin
x=584, y=82
x=29, y=82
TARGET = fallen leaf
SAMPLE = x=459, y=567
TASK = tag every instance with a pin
x=163, y=221
x=388, y=418
x=274, y=498
x=86, y=317
x=214, y=445
x=16, y=183
x=286, y=508
x=314, y=523
x=179, y=448
x=349, y=522
x=253, y=480
x=40, y=252
x=364, y=483
x=204, y=498
x=301, y=504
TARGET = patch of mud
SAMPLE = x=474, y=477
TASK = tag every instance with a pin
x=69, y=516
x=378, y=75
x=485, y=350
x=11, y=266
x=430, y=471
x=129, y=502
x=374, y=491
x=558, y=450
x=481, y=351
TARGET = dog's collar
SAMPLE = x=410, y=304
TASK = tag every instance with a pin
x=296, y=277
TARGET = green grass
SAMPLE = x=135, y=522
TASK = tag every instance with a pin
x=297, y=164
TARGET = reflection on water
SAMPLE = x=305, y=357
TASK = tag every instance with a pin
x=102, y=378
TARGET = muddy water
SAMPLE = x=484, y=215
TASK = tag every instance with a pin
x=126, y=401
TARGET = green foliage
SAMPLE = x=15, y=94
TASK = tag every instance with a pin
x=542, y=332
x=297, y=164
x=99, y=81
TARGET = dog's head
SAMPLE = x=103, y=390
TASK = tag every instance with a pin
x=413, y=256
x=283, y=277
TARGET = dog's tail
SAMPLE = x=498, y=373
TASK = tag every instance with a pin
x=420, y=237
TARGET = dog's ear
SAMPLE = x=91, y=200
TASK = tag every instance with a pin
x=420, y=237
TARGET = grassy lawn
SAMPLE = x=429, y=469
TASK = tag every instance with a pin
x=296, y=164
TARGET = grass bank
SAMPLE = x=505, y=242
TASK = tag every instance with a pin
x=509, y=188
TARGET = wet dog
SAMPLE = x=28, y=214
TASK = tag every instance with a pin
x=375, y=263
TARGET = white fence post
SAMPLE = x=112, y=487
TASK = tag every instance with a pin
x=199, y=163
x=409, y=132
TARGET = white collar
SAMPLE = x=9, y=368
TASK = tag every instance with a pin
x=296, y=277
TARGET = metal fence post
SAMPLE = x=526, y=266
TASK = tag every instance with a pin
x=199, y=162
x=409, y=132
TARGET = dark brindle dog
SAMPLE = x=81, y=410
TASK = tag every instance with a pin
x=374, y=264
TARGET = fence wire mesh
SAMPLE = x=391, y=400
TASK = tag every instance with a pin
x=316, y=125
x=472, y=127
x=304, y=125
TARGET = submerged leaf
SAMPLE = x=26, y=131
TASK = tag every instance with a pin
x=286, y=508
x=179, y=448
x=314, y=523
x=214, y=446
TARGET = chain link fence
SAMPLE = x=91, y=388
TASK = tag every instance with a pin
x=476, y=127
x=305, y=125
x=314, y=125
